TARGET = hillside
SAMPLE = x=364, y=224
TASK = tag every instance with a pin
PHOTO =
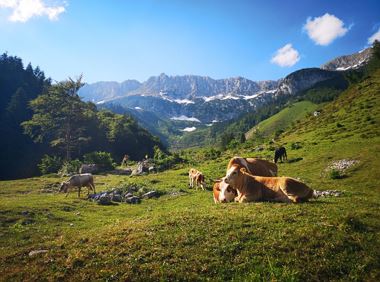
x=184, y=235
x=282, y=120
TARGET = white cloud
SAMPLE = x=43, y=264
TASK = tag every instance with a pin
x=325, y=29
x=286, y=56
x=23, y=10
x=375, y=36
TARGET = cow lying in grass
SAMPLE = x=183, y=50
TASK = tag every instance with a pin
x=223, y=192
x=196, y=177
x=258, y=188
x=78, y=180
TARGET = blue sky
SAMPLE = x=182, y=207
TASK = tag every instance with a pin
x=118, y=40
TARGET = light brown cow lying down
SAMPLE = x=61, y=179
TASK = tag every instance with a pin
x=196, y=177
x=223, y=192
x=258, y=188
x=254, y=166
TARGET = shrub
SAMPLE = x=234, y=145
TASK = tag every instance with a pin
x=102, y=159
x=295, y=146
x=336, y=174
x=70, y=167
x=50, y=164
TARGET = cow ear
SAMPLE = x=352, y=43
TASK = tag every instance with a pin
x=243, y=170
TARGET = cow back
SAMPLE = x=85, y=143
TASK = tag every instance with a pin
x=255, y=166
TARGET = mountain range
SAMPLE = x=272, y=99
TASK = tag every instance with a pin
x=189, y=102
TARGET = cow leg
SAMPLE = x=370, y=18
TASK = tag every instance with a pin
x=79, y=192
x=67, y=194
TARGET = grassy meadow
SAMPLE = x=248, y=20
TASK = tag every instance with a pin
x=183, y=235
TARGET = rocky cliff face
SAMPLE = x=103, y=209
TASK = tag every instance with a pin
x=303, y=79
x=349, y=61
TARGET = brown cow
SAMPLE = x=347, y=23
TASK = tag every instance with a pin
x=255, y=166
x=197, y=177
x=223, y=192
x=258, y=188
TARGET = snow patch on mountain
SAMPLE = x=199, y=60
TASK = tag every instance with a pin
x=189, y=129
x=185, y=118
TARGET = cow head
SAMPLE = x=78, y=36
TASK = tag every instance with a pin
x=232, y=175
x=64, y=187
x=226, y=192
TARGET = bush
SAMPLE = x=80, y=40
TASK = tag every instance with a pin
x=336, y=174
x=102, y=159
x=50, y=164
x=70, y=167
x=295, y=146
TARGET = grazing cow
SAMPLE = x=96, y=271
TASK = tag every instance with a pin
x=195, y=176
x=78, y=180
x=223, y=192
x=255, y=166
x=280, y=154
x=259, y=188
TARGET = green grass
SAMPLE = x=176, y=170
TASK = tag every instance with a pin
x=283, y=119
x=183, y=235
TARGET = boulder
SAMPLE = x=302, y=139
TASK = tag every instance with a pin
x=150, y=194
x=116, y=198
x=88, y=168
x=133, y=200
x=104, y=199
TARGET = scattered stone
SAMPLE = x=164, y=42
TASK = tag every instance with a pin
x=88, y=168
x=328, y=193
x=126, y=171
x=37, y=252
x=342, y=165
x=77, y=213
x=128, y=195
x=71, y=224
x=133, y=200
x=104, y=199
x=116, y=198
x=150, y=194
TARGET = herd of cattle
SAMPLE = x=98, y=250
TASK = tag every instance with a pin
x=251, y=179
x=246, y=180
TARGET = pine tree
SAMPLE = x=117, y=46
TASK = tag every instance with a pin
x=60, y=117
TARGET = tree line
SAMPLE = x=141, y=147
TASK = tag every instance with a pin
x=40, y=118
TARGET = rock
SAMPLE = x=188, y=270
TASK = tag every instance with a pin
x=128, y=195
x=116, y=198
x=133, y=200
x=104, y=199
x=126, y=171
x=150, y=194
x=328, y=193
x=37, y=252
x=342, y=165
x=88, y=168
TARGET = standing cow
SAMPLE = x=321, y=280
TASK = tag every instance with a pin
x=196, y=178
x=78, y=180
x=280, y=154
